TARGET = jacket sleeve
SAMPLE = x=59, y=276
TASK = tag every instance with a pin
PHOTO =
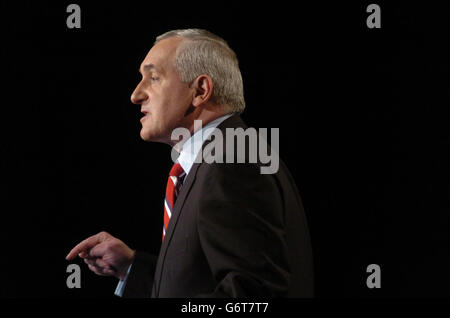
x=140, y=278
x=241, y=229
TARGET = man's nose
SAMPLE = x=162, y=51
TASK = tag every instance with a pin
x=139, y=96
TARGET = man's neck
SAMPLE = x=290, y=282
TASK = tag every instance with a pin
x=205, y=118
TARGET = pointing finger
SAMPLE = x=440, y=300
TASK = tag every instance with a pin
x=85, y=245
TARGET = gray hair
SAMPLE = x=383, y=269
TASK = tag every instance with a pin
x=207, y=53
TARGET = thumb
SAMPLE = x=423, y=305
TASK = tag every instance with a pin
x=87, y=244
x=98, y=250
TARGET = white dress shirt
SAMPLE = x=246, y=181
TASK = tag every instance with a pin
x=189, y=151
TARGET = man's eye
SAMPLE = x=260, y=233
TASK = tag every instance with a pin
x=154, y=78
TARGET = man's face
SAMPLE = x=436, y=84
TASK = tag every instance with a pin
x=164, y=99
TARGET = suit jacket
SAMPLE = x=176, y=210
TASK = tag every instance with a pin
x=234, y=232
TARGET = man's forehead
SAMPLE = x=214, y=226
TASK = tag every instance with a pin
x=160, y=54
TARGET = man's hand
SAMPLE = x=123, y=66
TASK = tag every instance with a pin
x=104, y=254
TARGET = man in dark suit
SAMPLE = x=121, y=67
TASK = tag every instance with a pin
x=229, y=229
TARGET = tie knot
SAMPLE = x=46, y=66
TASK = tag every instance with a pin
x=176, y=171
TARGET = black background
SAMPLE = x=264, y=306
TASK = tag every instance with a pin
x=363, y=129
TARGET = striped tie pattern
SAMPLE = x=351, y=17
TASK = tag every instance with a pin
x=174, y=183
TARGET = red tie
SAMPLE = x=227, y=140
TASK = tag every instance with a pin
x=173, y=187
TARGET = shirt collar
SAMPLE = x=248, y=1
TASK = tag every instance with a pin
x=192, y=147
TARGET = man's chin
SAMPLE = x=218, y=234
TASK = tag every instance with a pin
x=146, y=135
x=149, y=136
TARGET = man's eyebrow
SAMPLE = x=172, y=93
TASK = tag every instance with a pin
x=148, y=67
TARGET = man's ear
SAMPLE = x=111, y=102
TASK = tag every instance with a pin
x=203, y=89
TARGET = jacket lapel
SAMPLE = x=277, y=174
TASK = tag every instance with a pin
x=184, y=191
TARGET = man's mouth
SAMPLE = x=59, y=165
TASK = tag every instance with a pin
x=144, y=117
x=146, y=114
